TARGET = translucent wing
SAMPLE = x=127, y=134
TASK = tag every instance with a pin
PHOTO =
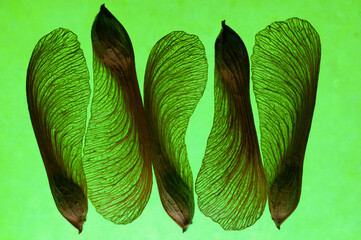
x=58, y=92
x=175, y=79
x=117, y=154
x=285, y=66
x=231, y=187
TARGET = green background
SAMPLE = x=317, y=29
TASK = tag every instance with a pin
x=330, y=204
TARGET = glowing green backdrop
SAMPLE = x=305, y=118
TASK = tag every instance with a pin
x=330, y=201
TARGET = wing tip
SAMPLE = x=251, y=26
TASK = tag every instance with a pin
x=224, y=23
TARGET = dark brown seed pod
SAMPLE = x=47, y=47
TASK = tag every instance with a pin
x=285, y=67
x=58, y=91
x=231, y=185
x=175, y=79
x=117, y=151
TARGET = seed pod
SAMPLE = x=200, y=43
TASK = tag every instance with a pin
x=231, y=186
x=57, y=88
x=285, y=67
x=175, y=79
x=117, y=152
